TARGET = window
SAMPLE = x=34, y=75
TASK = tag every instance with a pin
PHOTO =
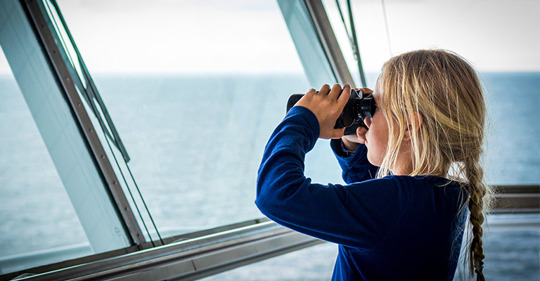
x=219, y=108
x=37, y=216
x=195, y=91
x=53, y=203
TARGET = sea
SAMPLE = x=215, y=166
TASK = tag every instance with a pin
x=195, y=143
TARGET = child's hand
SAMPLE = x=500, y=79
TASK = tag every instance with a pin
x=351, y=142
x=327, y=105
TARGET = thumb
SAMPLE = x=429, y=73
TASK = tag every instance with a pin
x=361, y=134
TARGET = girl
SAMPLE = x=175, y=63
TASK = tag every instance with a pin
x=425, y=138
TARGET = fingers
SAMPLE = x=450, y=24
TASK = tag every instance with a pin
x=350, y=142
x=324, y=89
x=333, y=92
x=365, y=90
x=311, y=92
x=327, y=104
x=336, y=90
x=336, y=95
x=361, y=134
x=306, y=99
x=367, y=121
x=344, y=97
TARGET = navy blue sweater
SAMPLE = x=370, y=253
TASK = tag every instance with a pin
x=393, y=228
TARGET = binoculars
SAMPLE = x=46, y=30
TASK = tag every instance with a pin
x=358, y=107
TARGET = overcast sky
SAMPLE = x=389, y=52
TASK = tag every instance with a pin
x=251, y=36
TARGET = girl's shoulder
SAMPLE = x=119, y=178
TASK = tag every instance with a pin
x=421, y=184
x=409, y=188
x=430, y=193
x=434, y=181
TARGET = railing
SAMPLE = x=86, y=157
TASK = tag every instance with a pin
x=204, y=253
x=187, y=259
x=516, y=199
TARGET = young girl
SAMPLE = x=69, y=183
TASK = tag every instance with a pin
x=425, y=140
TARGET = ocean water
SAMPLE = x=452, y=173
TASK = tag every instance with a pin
x=196, y=142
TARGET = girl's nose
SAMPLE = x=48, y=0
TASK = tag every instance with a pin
x=367, y=121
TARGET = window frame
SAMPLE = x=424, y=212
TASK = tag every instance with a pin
x=265, y=238
x=59, y=63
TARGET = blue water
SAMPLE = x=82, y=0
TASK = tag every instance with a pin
x=196, y=142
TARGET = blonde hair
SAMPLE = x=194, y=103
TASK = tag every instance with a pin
x=436, y=98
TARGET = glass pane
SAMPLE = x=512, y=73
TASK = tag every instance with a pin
x=509, y=68
x=195, y=90
x=39, y=225
x=54, y=204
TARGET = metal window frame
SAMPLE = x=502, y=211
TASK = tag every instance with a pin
x=516, y=199
x=191, y=259
x=187, y=257
x=37, y=16
x=329, y=42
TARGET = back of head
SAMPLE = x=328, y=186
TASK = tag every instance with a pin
x=437, y=95
x=444, y=89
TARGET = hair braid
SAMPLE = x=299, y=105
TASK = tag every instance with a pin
x=477, y=191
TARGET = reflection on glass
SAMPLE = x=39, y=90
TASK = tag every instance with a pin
x=38, y=223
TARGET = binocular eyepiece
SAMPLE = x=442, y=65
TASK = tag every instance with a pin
x=358, y=107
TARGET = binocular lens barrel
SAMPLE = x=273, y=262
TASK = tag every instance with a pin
x=357, y=108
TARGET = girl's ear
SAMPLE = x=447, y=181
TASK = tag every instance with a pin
x=415, y=121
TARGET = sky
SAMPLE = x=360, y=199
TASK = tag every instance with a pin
x=251, y=36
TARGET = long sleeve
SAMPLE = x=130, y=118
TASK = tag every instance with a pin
x=355, y=168
x=392, y=228
x=349, y=215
